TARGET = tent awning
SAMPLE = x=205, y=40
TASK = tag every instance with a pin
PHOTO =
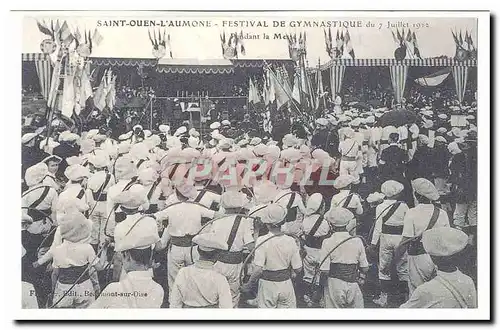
x=115, y=61
x=209, y=66
x=391, y=62
x=29, y=57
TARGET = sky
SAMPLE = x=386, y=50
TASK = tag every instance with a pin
x=374, y=41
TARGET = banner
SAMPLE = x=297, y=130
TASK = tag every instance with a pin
x=460, y=74
x=336, y=78
x=398, y=79
x=43, y=69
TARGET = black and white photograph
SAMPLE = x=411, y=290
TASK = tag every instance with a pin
x=312, y=161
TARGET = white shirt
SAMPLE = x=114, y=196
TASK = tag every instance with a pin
x=417, y=219
x=283, y=198
x=396, y=219
x=184, y=218
x=69, y=254
x=244, y=234
x=277, y=253
x=349, y=148
x=309, y=222
x=113, y=191
x=339, y=199
x=350, y=252
x=200, y=285
x=72, y=190
x=208, y=198
x=136, y=290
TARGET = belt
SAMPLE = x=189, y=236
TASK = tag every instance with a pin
x=153, y=208
x=182, y=241
x=207, y=306
x=384, y=142
x=392, y=230
x=349, y=158
x=276, y=275
x=70, y=275
x=344, y=272
x=314, y=242
x=99, y=198
x=365, y=143
x=416, y=248
x=230, y=257
x=38, y=215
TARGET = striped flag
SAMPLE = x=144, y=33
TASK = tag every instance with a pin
x=281, y=86
x=100, y=93
x=398, y=79
x=43, y=70
x=460, y=74
x=434, y=79
x=336, y=78
x=65, y=36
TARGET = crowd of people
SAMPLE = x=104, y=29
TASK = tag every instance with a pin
x=354, y=214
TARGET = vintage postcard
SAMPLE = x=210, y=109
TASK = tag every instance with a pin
x=295, y=163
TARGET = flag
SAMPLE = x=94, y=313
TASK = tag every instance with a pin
x=320, y=91
x=65, y=36
x=416, y=51
x=460, y=40
x=271, y=90
x=77, y=34
x=296, y=89
x=340, y=42
x=281, y=87
x=348, y=45
x=409, y=45
x=434, y=79
x=111, y=95
x=68, y=94
x=100, y=93
x=253, y=93
x=96, y=38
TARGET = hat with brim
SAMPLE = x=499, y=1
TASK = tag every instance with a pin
x=75, y=227
x=52, y=158
x=76, y=172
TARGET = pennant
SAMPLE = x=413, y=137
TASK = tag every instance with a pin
x=253, y=93
x=348, y=48
x=96, y=38
x=409, y=36
x=77, y=35
x=396, y=41
x=65, y=36
x=296, y=90
x=45, y=30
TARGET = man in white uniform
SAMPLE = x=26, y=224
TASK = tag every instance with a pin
x=450, y=288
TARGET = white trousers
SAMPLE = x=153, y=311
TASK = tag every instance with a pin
x=80, y=296
x=177, y=258
x=342, y=294
x=388, y=243
x=232, y=274
x=349, y=167
x=276, y=294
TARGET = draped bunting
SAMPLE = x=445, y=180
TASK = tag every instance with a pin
x=392, y=61
x=336, y=78
x=43, y=69
x=460, y=74
x=398, y=79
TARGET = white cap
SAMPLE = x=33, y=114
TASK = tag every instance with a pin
x=375, y=197
x=181, y=130
x=233, y=199
x=391, y=188
x=164, y=128
x=343, y=181
x=314, y=203
x=425, y=188
x=339, y=216
x=255, y=141
x=76, y=172
x=209, y=242
x=274, y=214
x=35, y=174
x=322, y=121
x=215, y=125
x=134, y=233
x=444, y=241
x=226, y=123
x=132, y=198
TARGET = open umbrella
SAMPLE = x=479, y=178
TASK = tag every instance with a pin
x=397, y=118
